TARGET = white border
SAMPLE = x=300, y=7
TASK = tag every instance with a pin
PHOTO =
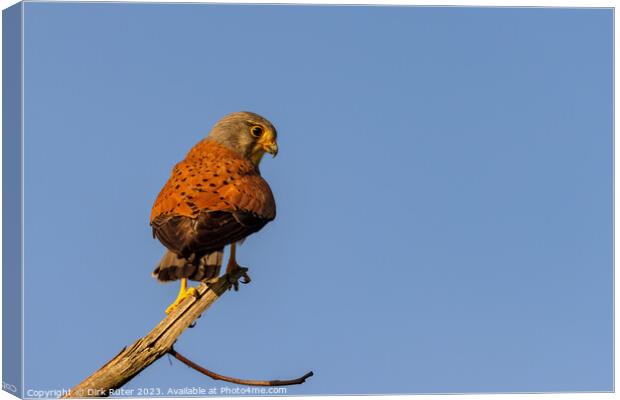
x=479, y=3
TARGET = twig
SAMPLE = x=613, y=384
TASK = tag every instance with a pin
x=248, y=382
x=143, y=352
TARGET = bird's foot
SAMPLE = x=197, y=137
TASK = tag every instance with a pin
x=241, y=274
x=236, y=270
x=183, y=294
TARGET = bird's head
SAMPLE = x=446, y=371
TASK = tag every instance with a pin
x=247, y=134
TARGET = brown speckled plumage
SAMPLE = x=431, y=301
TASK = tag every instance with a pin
x=214, y=197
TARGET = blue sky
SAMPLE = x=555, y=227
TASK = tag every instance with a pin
x=444, y=191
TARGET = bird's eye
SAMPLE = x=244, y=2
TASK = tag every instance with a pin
x=256, y=131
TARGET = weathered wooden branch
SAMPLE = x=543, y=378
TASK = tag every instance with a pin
x=144, y=351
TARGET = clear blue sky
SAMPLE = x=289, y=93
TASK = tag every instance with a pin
x=444, y=191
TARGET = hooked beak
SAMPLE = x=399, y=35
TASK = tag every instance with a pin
x=271, y=148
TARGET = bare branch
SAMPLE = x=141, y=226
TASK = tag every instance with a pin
x=143, y=352
x=248, y=382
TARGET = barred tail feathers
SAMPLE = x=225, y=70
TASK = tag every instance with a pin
x=171, y=267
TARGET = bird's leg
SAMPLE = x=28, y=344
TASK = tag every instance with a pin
x=183, y=293
x=232, y=265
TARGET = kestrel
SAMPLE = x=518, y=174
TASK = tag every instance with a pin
x=214, y=197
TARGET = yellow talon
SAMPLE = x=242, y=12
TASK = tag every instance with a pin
x=183, y=293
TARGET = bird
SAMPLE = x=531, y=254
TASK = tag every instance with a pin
x=214, y=197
